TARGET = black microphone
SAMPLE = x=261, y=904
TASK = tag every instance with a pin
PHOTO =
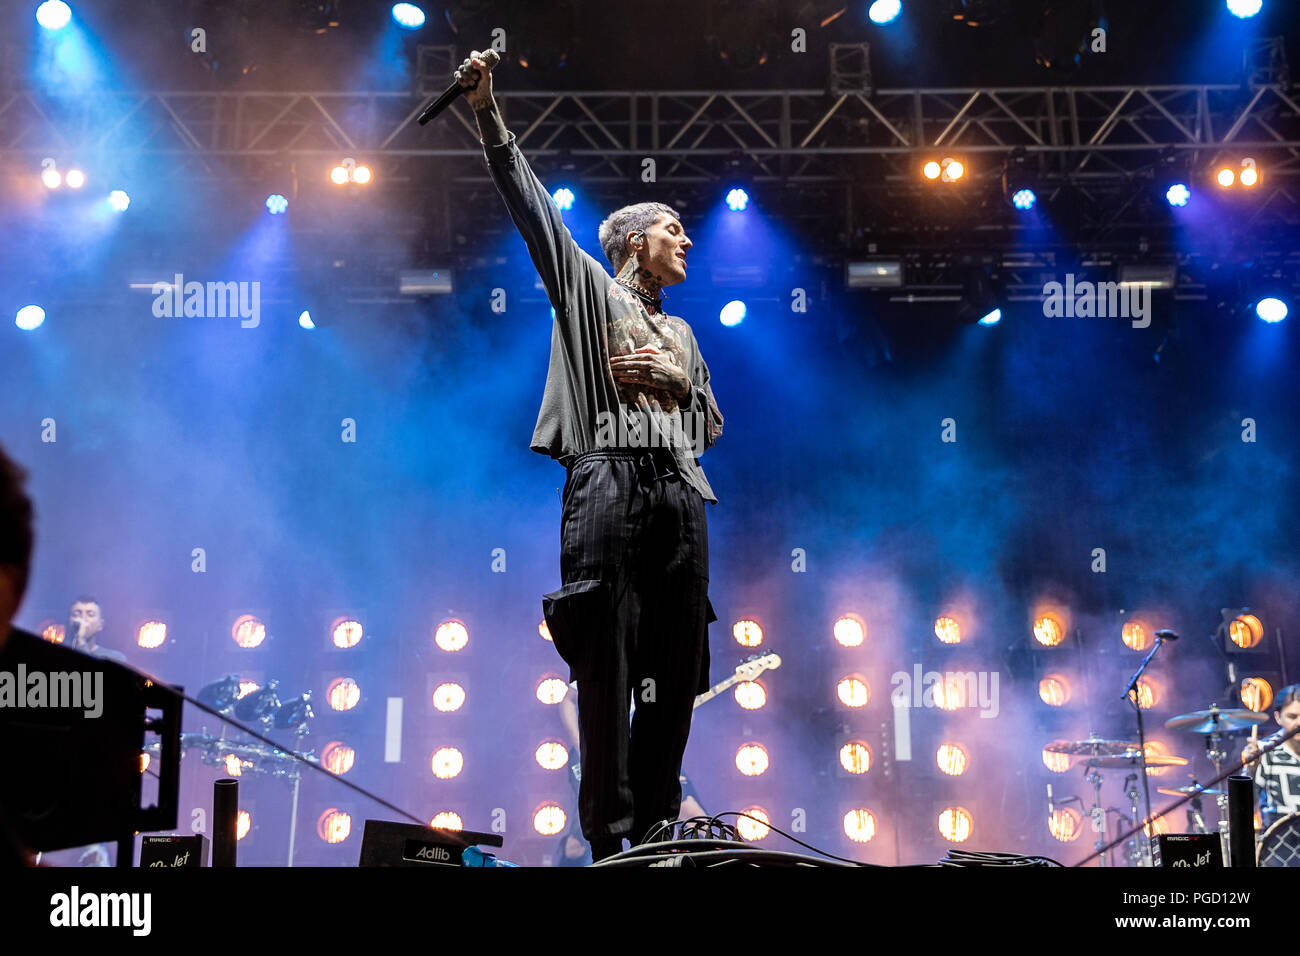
x=489, y=57
x=1166, y=635
x=74, y=630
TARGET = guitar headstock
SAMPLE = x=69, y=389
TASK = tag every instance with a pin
x=755, y=665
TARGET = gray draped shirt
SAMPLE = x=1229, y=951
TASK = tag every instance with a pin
x=583, y=407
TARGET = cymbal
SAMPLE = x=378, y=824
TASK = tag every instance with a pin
x=1215, y=720
x=1092, y=746
x=1133, y=759
x=1184, y=791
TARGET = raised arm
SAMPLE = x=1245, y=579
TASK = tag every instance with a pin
x=558, y=258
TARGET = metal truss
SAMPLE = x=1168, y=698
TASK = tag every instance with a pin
x=854, y=155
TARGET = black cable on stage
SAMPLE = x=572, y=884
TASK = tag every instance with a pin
x=793, y=839
x=1189, y=796
x=280, y=747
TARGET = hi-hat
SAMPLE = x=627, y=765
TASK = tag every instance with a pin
x=1214, y=721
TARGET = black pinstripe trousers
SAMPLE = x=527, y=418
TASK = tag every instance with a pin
x=631, y=618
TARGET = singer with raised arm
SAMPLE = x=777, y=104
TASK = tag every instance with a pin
x=628, y=410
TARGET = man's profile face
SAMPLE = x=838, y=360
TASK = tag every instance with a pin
x=664, y=252
x=88, y=614
x=1289, y=716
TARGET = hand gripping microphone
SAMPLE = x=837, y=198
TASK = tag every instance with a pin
x=489, y=57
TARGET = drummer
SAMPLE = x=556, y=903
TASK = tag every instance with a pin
x=1277, y=773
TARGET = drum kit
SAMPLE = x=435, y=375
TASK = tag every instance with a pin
x=1102, y=754
x=240, y=754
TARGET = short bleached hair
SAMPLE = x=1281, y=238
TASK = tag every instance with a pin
x=638, y=217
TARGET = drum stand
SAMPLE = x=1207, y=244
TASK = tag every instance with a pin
x=1098, y=815
x=1133, y=847
x=1216, y=755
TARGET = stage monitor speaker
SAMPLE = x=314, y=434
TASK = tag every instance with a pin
x=405, y=844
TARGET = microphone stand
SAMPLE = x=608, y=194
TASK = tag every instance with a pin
x=1131, y=695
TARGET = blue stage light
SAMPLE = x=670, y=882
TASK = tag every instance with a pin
x=1024, y=199
x=563, y=198
x=1244, y=8
x=408, y=16
x=118, y=200
x=1271, y=309
x=992, y=318
x=276, y=204
x=884, y=11
x=29, y=317
x=305, y=321
x=1178, y=194
x=53, y=14
x=737, y=200
x=733, y=313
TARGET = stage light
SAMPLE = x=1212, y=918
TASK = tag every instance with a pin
x=543, y=628
x=884, y=11
x=1271, y=309
x=334, y=826
x=246, y=687
x=1249, y=176
x=747, y=633
x=338, y=757
x=853, y=691
x=859, y=825
x=234, y=766
x=53, y=14
x=550, y=819
x=408, y=16
x=1136, y=635
x=305, y=321
x=75, y=179
x=343, y=693
x=29, y=317
x=243, y=824
x=339, y=175
x=362, y=175
x=447, y=762
x=346, y=632
x=447, y=820
x=118, y=200
x=953, y=170
x=51, y=177
x=751, y=828
x=53, y=633
x=276, y=204
x=451, y=636
x=931, y=170
x=1024, y=199
x=737, y=200
x=733, y=313
x=563, y=198
x=1256, y=694
x=1225, y=177
x=1161, y=825
x=151, y=634
x=1054, y=690
x=1057, y=763
x=551, y=755
x=248, y=631
x=952, y=759
x=1048, y=630
x=1244, y=8
x=1246, y=631
x=1148, y=693
x=947, y=630
x=1178, y=194
x=955, y=824
x=551, y=690
x=750, y=695
x=1065, y=824
x=850, y=631
x=144, y=761
x=752, y=760
x=950, y=693
x=855, y=757
x=991, y=318
x=448, y=697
